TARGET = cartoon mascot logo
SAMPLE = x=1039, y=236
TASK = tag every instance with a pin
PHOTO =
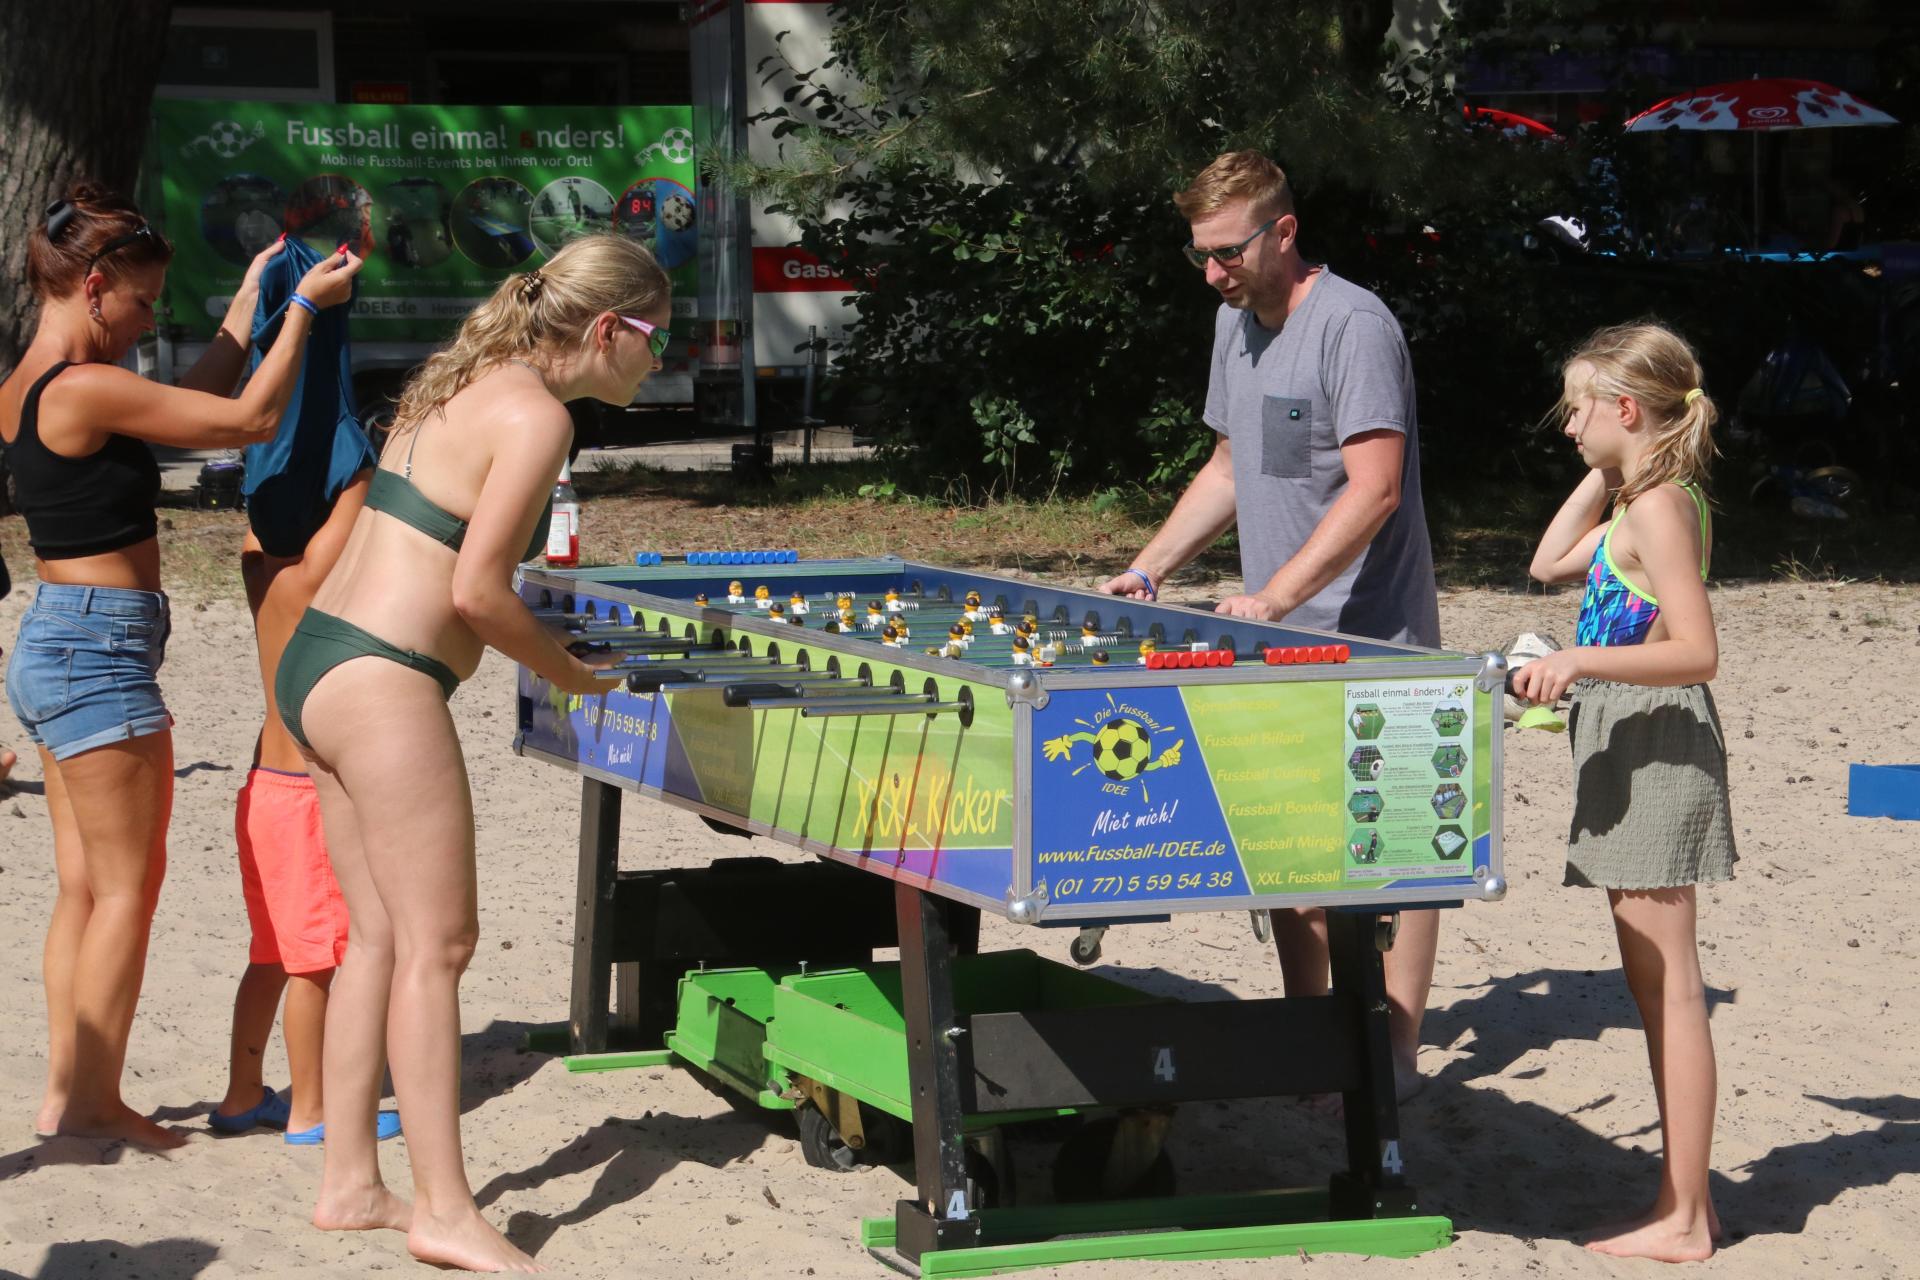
x=1122, y=747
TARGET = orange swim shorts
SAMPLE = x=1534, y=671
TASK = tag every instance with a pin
x=294, y=905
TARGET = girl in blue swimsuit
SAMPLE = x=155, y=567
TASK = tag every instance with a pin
x=1650, y=807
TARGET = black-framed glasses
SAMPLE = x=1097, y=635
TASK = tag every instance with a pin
x=1228, y=255
x=139, y=233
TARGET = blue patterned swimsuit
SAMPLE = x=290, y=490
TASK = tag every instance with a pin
x=1614, y=611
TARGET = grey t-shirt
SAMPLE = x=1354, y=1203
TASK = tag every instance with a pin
x=1287, y=399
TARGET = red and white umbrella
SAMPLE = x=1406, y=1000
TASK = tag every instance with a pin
x=1760, y=104
x=1507, y=123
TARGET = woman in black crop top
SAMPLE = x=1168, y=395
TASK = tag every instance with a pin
x=81, y=677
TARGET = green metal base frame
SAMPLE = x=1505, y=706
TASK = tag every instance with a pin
x=1259, y=1225
x=580, y=1062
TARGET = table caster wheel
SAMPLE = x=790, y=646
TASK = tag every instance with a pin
x=1085, y=948
x=821, y=1144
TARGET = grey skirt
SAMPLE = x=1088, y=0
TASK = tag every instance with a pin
x=1650, y=788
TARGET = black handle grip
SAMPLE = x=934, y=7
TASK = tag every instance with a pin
x=742, y=695
x=581, y=648
x=650, y=680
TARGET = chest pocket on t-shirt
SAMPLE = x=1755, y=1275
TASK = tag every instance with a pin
x=1286, y=437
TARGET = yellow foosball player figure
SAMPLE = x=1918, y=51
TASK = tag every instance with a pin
x=875, y=618
x=1022, y=652
x=967, y=627
x=893, y=601
x=1099, y=657
x=892, y=637
x=736, y=594
x=1089, y=638
x=797, y=604
x=997, y=622
x=762, y=598
x=1147, y=646
x=776, y=612
x=845, y=618
x=957, y=635
x=973, y=605
x=700, y=600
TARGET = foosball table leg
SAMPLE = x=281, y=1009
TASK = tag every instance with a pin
x=593, y=917
x=943, y=1217
x=1374, y=1183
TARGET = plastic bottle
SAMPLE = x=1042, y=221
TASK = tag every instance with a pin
x=563, y=530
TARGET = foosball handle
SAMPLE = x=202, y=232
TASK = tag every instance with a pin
x=650, y=680
x=745, y=695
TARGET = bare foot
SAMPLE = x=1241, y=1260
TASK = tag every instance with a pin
x=1674, y=1238
x=122, y=1124
x=7, y=760
x=362, y=1209
x=1619, y=1226
x=468, y=1242
x=1407, y=1081
x=46, y=1123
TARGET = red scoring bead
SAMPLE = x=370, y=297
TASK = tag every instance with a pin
x=1342, y=652
x=1226, y=657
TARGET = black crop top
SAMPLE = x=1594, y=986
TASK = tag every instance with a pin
x=82, y=506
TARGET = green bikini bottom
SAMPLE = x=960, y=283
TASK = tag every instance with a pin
x=322, y=642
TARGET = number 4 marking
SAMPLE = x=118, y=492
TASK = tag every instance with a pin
x=1390, y=1158
x=1163, y=1066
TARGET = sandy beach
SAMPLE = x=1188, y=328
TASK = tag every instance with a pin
x=1537, y=1119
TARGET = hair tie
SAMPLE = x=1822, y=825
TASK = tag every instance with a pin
x=531, y=284
x=1692, y=395
x=59, y=214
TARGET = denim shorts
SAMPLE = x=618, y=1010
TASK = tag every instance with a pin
x=82, y=672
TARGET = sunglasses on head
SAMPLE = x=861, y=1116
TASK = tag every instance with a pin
x=1227, y=255
x=657, y=337
x=62, y=212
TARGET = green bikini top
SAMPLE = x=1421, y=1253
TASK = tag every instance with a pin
x=395, y=494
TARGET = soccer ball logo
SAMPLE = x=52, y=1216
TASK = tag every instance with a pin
x=675, y=146
x=226, y=139
x=676, y=212
x=1122, y=749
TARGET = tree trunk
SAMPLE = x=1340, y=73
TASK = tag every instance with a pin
x=76, y=99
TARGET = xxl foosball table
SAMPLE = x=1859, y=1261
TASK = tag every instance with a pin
x=949, y=743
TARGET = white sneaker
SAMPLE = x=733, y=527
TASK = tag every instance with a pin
x=1521, y=650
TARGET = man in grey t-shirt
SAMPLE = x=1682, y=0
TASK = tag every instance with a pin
x=1318, y=462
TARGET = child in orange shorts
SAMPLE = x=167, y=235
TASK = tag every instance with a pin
x=299, y=923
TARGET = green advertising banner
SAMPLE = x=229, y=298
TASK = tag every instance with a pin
x=443, y=201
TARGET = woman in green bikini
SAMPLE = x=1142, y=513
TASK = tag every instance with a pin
x=423, y=586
